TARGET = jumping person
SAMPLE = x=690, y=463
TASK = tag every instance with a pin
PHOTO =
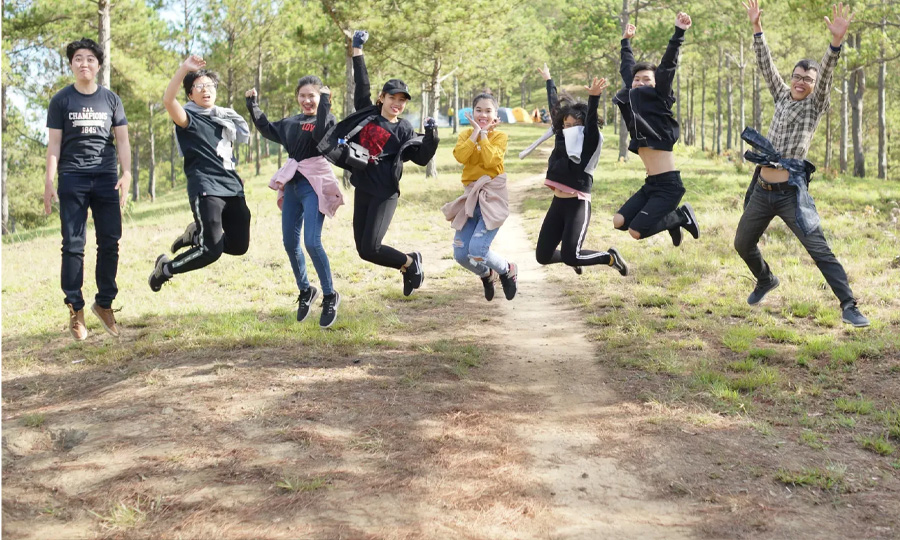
x=646, y=106
x=484, y=205
x=82, y=119
x=780, y=184
x=307, y=189
x=389, y=141
x=206, y=135
x=570, y=170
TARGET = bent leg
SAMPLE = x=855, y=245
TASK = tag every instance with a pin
x=551, y=234
x=208, y=211
x=578, y=218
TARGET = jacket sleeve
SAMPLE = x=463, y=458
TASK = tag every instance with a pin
x=665, y=73
x=552, y=98
x=266, y=129
x=777, y=86
x=591, y=130
x=422, y=154
x=324, y=118
x=493, y=150
x=822, y=91
x=464, y=147
x=626, y=63
x=362, y=94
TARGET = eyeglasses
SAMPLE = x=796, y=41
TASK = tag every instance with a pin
x=808, y=80
x=211, y=86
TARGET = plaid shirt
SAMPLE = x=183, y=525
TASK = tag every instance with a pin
x=794, y=122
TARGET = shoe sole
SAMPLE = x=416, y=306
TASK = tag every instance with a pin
x=693, y=218
x=418, y=257
x=150, y=279
x=311, y=300
x=336, y=305
x=617, y=255
x=845, y=321
x=102, y=322
x=763, y=297
x=181, y=244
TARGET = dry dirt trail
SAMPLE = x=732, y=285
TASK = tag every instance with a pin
x=578, y=423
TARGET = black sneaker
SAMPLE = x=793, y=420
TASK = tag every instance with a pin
x=330, y=304
x=578, y=269
x=187, y=239
x=675, y=233
x=509, y=281
x=304, y=301
x=691, y=226
x=762, y=289
x=414, y=275
x=488, y=282
x=158, y=275
x=852, y=315
x=617, y=262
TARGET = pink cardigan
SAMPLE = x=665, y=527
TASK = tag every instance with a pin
x=321, y=177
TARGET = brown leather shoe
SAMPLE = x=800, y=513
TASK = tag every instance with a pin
x=76, y=324
x=107, y=319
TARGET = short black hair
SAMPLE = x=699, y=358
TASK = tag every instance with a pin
x=194, y=75
x=485, y=95
x=308, y=79
x=807, y=64
x=85, y=43
x=643, y=66
x=569, y=106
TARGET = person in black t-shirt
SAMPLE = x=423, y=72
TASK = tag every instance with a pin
x=82, y=119
x=206, y=135
x=390, y=140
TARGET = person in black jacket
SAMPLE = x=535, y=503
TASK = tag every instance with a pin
x=390, y=140
x=570, y=176
x=646, y=106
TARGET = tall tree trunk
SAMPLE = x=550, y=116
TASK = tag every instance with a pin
x=172, y=157
x=280, y=147
x=455, y=118
x=435, y=95
x=623, y=129
x=703, y=111
x=857, y=91
x=845, y=131
x=882, y=119
x=692, y=136
x=259, y=86
x=5, y=196
x=729, y=91
x=151, y=181
x=104, y=38
x=743, y=68
x=677, y=96
x=719, y=105
x=135, y=165
x=231, y=39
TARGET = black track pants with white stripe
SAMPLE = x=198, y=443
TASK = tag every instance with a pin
x=567, y=222
x=224, y=226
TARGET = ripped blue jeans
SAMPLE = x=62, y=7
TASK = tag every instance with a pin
x=472, y=247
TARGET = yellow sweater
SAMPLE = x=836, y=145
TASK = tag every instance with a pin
x=482, y=158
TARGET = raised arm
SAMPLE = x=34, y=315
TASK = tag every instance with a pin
x=591, y=126
x=266, y=129
x=552, y=95
x=324, y=119
x=838, y=28
x=422, y=154
x=362, y=94
x=665, y=73
x=170, y=97
x=777, y=86
x=626, y=62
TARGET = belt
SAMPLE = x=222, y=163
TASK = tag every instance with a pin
x=778, y=186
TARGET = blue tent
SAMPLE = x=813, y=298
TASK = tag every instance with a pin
x=506, y=115
x=461, y=116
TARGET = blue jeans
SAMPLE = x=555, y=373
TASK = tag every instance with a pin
x=472, y=247
x=77, y=193
x=300, y=211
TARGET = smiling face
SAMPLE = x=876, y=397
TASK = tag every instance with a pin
x=392, y=105
x=85, y=65
x=803, y=81
x=308, y=98
x=644, y=78
x=203, y=92
x=484, y=112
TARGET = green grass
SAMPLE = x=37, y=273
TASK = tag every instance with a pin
x=34, y=420
x=831, y=478
x=854, y=406
x=879, y=445
x=294, y=484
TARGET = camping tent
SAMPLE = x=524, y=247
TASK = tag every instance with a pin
x=461, y=116
x=506, y=115
x=522, y=115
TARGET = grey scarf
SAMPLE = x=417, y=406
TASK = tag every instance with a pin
x=234, y=127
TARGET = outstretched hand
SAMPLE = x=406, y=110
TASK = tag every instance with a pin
x=359, y=38
x=325, y=91
x=841, y=17
x=597, y=86
x=753, y=12
x=630, y=29
x=250, y=93
x=194, y=63
x=683, y=20
x=545, y=72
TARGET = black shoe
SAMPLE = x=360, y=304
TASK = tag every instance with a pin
x=488, y=282
x=617, y=262
x=304, y=301
x=187, y=239
x=509, y=281
x=330, y=303
x=578, y=269
x=762, y=289
x=414, y=275
x=852, y=315
x=691, y=226
x=158, y=275
x=675, y=233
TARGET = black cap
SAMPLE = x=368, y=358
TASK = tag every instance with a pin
x=396, y=86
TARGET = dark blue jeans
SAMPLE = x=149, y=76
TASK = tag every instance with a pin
x=300, y=216
x=761, y=208
x=77, y=193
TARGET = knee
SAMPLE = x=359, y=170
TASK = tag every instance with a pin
x=367, y=253
x=634, y=234
x=313, y=245
x=619, y=222
x=543, y=258
x=568, y=257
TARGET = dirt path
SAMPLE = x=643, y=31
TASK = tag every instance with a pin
x=578, y=424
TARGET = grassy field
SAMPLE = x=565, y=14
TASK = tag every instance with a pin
x=755, y=399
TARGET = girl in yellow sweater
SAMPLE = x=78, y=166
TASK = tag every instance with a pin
x=484, y=205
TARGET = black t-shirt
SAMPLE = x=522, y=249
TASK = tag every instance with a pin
x=208, y=159
x=86, y=121
x=382, y=139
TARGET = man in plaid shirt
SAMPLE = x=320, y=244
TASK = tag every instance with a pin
x=779, y=188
